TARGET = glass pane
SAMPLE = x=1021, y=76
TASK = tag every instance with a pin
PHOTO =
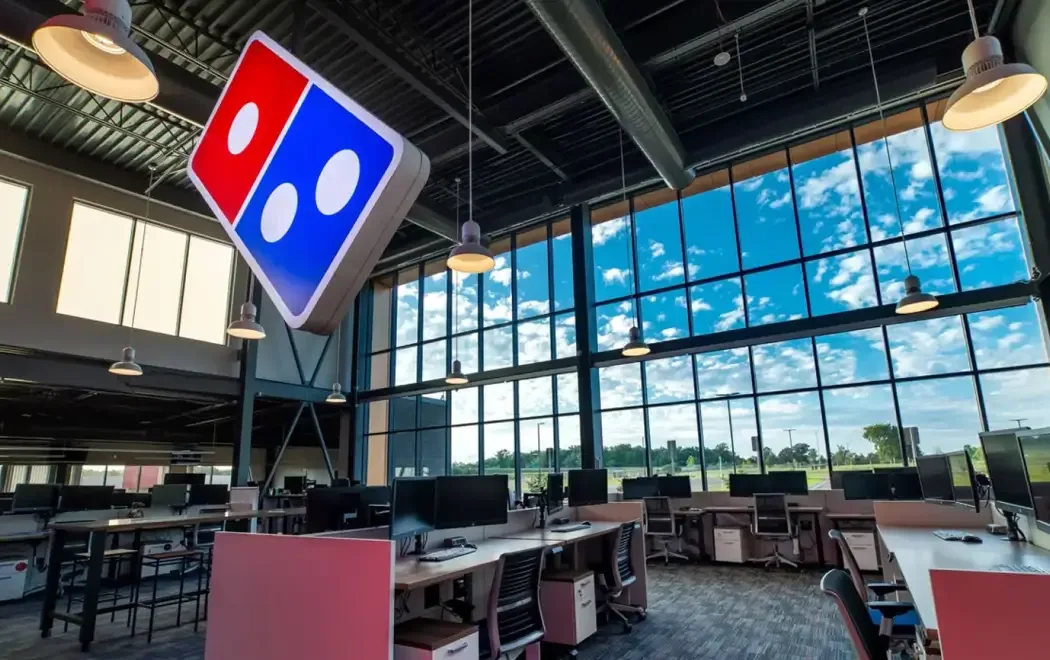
x=852, y=357
x=710, y=237
x=929, y=261
x=730, y=434
x=723, y=372
x=664, y=316
x=152, y=298
x=774, y=296
x=568, y=393
x=623, y=445
x=535, y=397
x=403, y=411
x=403, y=453
x=561, y=254
x=614, y=323
x=786, y=365
x=465, y=301
x=912, y=173
x=973, y=172
x=496, y=284
x=534, y=341
x=793, y=436
x=91, y=475
x=407, y=307
x=829, y=211
x=943, y=410
x=465, y=406
x=12, y=210
x=435, y=364
x=532, y=278
x=674, y=443
x=435, y=301
x=466, y=349
x=95, y=267
x=1017, y=398
x=499, y=401
x=499, y=348
x=206, y=294
x=569, y=442
x=862, y=427
x=537, y=453
x=990, y=254
x=1007, y=337
x=764, y=211
x=464, y=449
x=717, y=306
x=923, y=348
x=432, y=451
x=405, y=366
x=565, y=335
x=613, y=276
x=499, y=452
x=382, y=297
x=842, y=283
x=620, y=386
x=659, y=241
x=669, y=379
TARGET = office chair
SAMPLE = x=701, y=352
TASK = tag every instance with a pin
x=660, y=527
x=514, y=617
x=867, y=641
x=772, y=520
x=902, y=625
x=616, y=573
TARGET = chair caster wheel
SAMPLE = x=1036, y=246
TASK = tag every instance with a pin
x=627, y=628
x=642, y=615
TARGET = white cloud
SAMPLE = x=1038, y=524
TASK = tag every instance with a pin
x=656, y=249
x=605, y=231
x=698, y=305
x=783, y=200
x=988, y=322
x=619, y=275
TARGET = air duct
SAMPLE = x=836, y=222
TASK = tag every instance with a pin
x=584, y=34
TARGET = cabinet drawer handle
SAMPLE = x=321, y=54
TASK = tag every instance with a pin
x=587, y=604
x=461, y=647
x=585, y=584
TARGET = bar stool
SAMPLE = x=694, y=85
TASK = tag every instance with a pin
x=183, y=559
x=115, y=556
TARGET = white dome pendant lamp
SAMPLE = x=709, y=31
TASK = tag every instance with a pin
x=456, y=376
x=94, y=50
x=470, y=256
x=127, y=366
x=336, y=395
x=635, y=346
x=914, y=300
x=994, y=91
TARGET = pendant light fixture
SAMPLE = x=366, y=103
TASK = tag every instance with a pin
x=994, y=91
x=914, y=300
x=456, y=376
x=336, y=395
x=94, y=50
x=246, y=326
x=470, y=256
x=127, y=366
x=635, y=346
x=740, y=68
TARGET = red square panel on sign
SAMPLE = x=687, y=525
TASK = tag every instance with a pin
x=253, y=111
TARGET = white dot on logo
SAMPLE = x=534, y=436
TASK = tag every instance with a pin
x=279, y=212
x=337, y=182
x=242, y=130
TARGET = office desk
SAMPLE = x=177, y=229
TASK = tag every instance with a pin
x=553, y=538
x=915, y=550
x=814, y=511
x=24, y=537
x=98, y=531
x=836, y=518
x=410, y=573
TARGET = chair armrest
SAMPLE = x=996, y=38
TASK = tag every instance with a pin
x=880, y=589
x=890, y=608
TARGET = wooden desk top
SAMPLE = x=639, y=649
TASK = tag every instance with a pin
x=850, y=516
x=749, y=509
x=169, y=522
x=24, y=537
x=410, y=573
x=688, y=512
x=551, y=537
x=916, y=551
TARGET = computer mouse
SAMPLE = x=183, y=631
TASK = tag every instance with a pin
x=587, y=523
x=970, y=538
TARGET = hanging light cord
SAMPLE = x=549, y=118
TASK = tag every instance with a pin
x=455, y=287
x=885, y=137
x=470, y=109
x=142, y=251
x=973, y=20
x=740, y=66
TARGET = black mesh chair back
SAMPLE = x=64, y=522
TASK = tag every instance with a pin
x=771, y=515
x=658, y=516
x=622, y=573
x=514, y=617
x=850, y=562
x=865, y=634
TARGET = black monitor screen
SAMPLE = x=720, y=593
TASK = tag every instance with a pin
x=675, y=486
x=210, y=495
x=412, y=507
x=964, y=485
x=331, y=509
x=188, y=478
x=555, y=490
x=471, y=501
x=34, y=497
x=935, y=478
x=789, y=482
x=296, y=485
x=169, y=495
x=588, y=487
x=746, y=485
x=636, y=489
x=1006, y=471
x=904, y=484
x=1035, y=448
x=84, y=498
x=865, y=485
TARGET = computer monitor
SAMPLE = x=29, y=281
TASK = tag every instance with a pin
x=555, y=491
x=935, y=478
x=84, y=498
x=640, y=487
x=331, y=509
x=125, y=500
x=746, y=485
x=1006, y=470
x=789, y=482
x=588, y=487
x=675, y=486
x=188, y=478
x=904, y=484
x=297, y=485
x=470, y=501
x=1035, y=447
x=863, y=485
x=209, y=495
x=34, y=498
x=964, y=482
x=412, y=507
x=174, y=495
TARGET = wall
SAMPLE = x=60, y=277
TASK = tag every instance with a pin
x=1030, y=28
x=30, y=321
x=276, y=360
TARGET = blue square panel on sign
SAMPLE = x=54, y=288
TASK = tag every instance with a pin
x=313, y=192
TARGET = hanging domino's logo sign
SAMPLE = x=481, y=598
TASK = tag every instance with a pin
x=309, y=186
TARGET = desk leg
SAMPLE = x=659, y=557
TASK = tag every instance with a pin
x=96, y=553
x=54, y=576
x=820, y=540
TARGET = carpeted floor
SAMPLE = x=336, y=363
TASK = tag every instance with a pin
x=695, y=612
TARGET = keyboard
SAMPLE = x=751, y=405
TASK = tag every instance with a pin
x=447, y=553
x=570, y=528
x=955, y=535
x=1018, y=568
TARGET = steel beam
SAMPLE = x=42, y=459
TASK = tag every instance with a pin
x=586, y=337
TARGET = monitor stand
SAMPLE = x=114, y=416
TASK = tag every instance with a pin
x=418, y=549
x=1013, y=531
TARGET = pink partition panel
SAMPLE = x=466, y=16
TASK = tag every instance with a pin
x=991, y=614
x=284, y=597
